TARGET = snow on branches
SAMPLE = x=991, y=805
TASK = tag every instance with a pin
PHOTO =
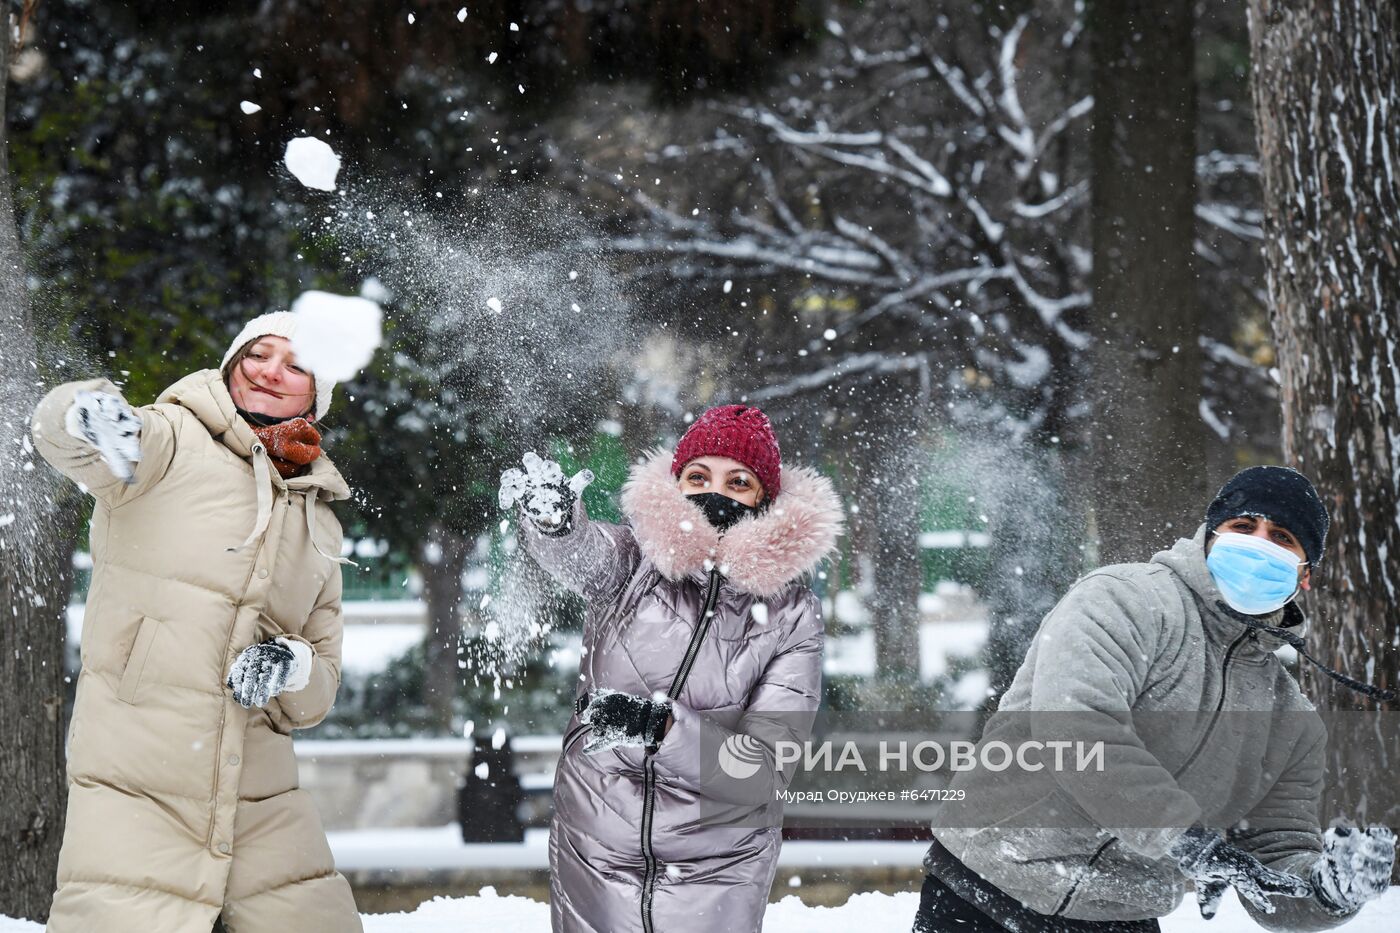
x=936, y=169
x=938, y=180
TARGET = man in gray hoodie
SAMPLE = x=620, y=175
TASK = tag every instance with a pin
x=1212, y=759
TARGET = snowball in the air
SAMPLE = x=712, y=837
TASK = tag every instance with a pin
x=313, y=163
x=494, y=304
x=336, y=335
x=248, y=107
x=375, y=290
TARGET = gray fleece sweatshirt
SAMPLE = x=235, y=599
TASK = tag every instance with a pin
x=1200, y=723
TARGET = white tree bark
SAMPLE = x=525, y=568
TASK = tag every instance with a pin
x=1327, y=102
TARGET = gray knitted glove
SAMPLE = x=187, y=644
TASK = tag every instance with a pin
x=542, y=493
x=1354, y=867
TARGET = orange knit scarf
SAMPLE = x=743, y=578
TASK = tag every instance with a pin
x=291, y=445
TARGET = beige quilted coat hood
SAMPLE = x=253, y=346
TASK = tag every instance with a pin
x=183, y=806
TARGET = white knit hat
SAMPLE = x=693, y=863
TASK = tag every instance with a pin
x=279, y=324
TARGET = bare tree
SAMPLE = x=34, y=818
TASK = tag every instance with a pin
x=909, y=211
x=923, y=186
x=1327, y=98
x=36, y=544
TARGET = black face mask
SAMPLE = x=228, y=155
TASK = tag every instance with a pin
x=720, y=510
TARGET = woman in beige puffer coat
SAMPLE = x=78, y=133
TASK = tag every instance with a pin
x=212, y=630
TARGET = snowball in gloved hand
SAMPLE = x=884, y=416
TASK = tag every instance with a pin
x=263, y=671
x=621, y=719
x=512, y=488
x=542, y=492
x=1354, y=867
x=107, y=422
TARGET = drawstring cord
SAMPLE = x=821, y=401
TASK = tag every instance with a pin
x=1298, y=645
x=311, y=530
x=262, y=478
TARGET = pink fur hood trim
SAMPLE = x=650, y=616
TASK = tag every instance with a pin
x=760, y=555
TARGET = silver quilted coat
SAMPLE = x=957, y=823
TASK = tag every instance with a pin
x=664, y=841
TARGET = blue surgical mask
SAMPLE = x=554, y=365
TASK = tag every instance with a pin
x=1256, y=577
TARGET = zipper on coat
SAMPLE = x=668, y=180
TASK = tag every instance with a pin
x=1088, y=867
x=702, y=627
x=1219, y=706
x=648, y=858
x=574, y=735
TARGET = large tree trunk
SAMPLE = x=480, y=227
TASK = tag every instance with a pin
x=34, y=592
x=445, y=560
x=1327, y=103
x=1149, y=438
x=36, y=546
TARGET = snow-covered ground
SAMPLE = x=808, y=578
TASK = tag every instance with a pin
x=440, y=848
x=892, y=912
x=790, y=915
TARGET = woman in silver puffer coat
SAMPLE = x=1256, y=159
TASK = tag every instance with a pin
x=702, y=649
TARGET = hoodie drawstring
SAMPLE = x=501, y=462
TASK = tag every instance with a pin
x=1298, y=645
x=311, y=530
x=262, y=478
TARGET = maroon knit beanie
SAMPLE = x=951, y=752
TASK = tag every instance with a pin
x=739, y=432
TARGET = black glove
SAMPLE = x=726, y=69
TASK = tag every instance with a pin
x=543, y=493
x=1213, y=864
x=620, y=719
x=260, y=673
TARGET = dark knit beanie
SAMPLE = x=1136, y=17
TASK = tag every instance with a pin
x=739, y=432
x=1283, y=496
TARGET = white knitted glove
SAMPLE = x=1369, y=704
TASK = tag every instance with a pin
x=266, y=670
x=107, y=422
